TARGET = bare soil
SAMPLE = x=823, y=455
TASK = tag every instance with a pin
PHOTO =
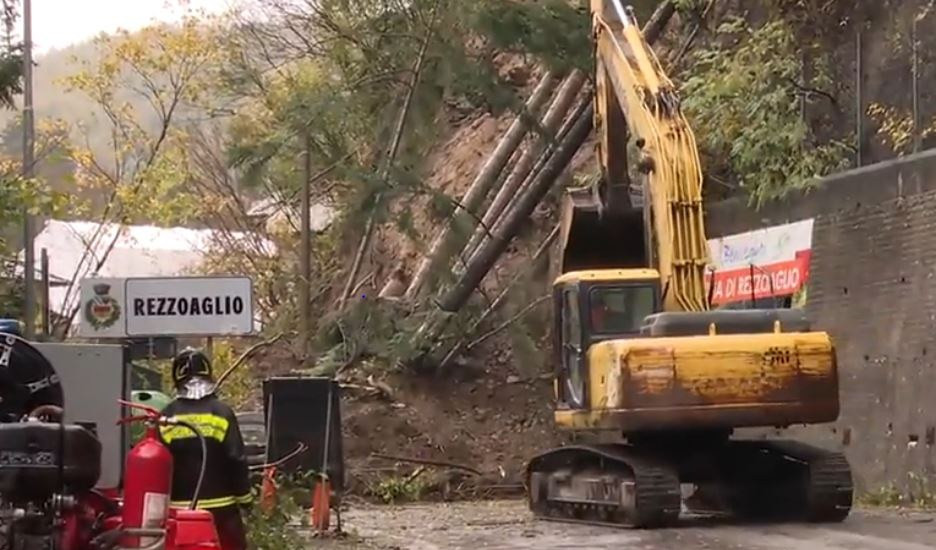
x=487, y=424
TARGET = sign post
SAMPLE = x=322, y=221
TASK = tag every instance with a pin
x=198, y=307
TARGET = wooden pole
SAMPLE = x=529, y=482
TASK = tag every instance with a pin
x=46, y=307
x=29, y=253
x=305, y=254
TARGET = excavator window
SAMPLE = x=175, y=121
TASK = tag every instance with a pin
x=620, y=309
x=574, y=391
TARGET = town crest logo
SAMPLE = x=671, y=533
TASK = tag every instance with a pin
x=102, y=311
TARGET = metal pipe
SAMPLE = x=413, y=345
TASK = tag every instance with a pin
x=621, y=13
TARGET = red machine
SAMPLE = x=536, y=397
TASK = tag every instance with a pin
x=48, y=473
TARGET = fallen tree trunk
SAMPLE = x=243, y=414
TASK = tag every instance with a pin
x=487, y=255
x=501, y=298
x=557, y=111
x=444, y=243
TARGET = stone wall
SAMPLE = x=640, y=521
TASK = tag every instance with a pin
x=873, y=288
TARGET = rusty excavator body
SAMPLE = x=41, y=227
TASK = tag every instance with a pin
x=641, y=356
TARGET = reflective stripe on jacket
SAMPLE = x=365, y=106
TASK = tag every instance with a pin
x=226, y=481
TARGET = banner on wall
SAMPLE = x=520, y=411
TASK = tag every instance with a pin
x=765, y=263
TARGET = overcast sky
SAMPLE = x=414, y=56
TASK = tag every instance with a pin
x=59, y=23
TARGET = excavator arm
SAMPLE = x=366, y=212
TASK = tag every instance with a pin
x=637, y=105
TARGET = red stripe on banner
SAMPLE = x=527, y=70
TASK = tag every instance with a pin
x=771, y=280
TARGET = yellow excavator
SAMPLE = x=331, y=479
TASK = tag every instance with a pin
x=649, y=377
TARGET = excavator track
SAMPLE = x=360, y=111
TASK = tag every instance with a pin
x=614, y=484
x=778, y=480
x=628, y=486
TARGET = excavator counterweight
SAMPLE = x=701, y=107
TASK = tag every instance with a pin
x=640, y=352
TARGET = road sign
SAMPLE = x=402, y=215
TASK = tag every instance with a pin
x=189, y=306
x=166, y=306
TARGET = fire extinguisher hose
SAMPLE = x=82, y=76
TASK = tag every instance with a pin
x=204, y=459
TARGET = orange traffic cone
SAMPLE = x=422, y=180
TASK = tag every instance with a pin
x=321, y=505
x=268, y=490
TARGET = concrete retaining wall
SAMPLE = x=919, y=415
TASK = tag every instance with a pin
x=873, y=287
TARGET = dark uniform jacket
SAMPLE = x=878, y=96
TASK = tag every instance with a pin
x=226, y=481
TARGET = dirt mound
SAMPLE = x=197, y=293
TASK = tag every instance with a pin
x=491, y=424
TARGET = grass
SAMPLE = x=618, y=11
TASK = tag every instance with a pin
x=918, y=494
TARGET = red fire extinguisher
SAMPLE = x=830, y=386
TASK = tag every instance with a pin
x=147, y=483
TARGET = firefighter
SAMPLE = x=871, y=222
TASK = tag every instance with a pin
x=225, y=489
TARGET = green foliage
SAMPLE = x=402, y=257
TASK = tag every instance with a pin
x=17, y=196
x=917, y=494
x=397, y=490
x=169, y=70
x=11, y=56
x=11, y=75
x=275, y=530
x=690, y=5
x=367, y=328
x=239, y=388
x=339, y=98
x=887, y=496
x=741, y=95
x=552, y=30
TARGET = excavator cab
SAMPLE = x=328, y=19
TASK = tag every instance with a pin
x=594, y=306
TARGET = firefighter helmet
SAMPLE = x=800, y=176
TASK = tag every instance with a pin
x=192, y=375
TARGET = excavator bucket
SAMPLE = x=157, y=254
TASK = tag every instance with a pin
x=595, y=239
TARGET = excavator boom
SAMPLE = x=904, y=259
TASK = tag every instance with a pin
x=632, y=86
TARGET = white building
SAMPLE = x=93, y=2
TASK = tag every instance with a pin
x=80, y=249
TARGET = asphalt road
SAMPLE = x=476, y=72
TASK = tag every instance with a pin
x=508, y=525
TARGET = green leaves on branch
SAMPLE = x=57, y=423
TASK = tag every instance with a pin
x=743, y=98
x=344, y=88
x=552, y=30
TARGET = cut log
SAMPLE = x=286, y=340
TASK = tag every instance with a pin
x=501, y=298
x=446, y=244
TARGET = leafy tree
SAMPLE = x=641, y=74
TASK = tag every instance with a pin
x=167, y=70
x=336, y=71
x=742, y=95
x=11, y=55
x=328, y=80
x=18, y=195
